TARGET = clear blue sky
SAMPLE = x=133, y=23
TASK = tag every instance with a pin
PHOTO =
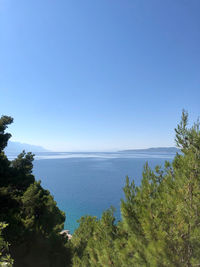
x=99, y=74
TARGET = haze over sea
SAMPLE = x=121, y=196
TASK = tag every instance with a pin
x=88, y=183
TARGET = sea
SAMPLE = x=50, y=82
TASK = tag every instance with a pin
x=88, y=183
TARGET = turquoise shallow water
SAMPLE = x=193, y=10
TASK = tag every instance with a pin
x=89, y=183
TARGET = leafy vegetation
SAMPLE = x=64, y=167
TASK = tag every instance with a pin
x=160, y=223
x=33, y=219
x=160, y=219
x=5, y=259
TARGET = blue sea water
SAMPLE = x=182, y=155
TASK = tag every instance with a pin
x=89, y=183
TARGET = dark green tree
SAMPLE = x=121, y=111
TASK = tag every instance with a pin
x=33, y=218
x=5, y=259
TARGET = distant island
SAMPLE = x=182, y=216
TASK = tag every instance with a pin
x=153, y=150
x=17, y=147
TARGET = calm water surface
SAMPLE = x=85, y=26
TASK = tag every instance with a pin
x=89, y=183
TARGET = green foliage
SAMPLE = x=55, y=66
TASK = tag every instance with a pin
x=5, y=259
x=4, y=122
x=93, y=241
x=33, y=218
x=160, y=223
x=160, y=219
x=40, y=211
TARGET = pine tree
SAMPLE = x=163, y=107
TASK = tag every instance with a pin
x=33, y=218
x=5, y=258
x=160, y=218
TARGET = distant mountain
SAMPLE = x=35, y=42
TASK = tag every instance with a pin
x=17, y=147
x=154, y=150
